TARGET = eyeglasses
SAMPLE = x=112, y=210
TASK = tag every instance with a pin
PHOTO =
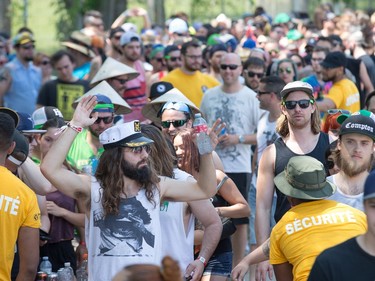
x=193, y=57
x=139, y=149
x=28, y=47
x=172, y=58
x=175, y=123
x=342, y=111
x=106, y=120
x=159, y=59
x=253, y=74
x=231, y=66
x=121, y=81
x=45, y=62
x=117, y=37
x=287, y=70
x=291, y=104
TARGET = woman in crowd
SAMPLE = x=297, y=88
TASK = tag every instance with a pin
x=228, y=202
x=287, y=70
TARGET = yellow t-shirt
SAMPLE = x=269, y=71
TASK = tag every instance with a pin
x=309, y=228
x=18, y=208
x=192, y=86
x=345, y=95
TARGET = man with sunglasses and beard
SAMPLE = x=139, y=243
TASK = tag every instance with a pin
x=353, y=156
x=237, y=106
x=299, y=130
x=123, y=177
x=86, y=148
x=253, y=70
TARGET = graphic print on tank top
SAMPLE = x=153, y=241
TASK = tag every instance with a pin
x=127, y=234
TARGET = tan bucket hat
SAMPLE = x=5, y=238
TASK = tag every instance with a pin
x=112, y=68
x=151, y=110
x=103, y=88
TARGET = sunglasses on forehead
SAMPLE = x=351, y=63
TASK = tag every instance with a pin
x=106, y=120
x=175, y=123
x=336, y=110
x=291, y=104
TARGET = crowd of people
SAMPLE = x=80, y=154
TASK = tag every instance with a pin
x=100, y=159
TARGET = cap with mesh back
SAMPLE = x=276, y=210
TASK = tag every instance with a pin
x=26, y=124
x=45, y=113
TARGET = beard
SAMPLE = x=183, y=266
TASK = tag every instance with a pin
x=351, y=168
x=141, y=175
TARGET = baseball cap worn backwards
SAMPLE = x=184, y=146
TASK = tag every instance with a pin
x=297, y=86
x=358, y=124
x=369, y=189
x=124, y=135
x=304, y=177
x=104, y=104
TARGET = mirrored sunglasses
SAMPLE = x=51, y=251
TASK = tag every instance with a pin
x=337, y=110
x=175, y=123
x=287, y=70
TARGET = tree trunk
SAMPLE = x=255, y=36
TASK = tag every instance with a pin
x=5, y=22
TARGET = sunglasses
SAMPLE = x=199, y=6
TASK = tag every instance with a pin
x=262, y=93
x=159, y=59
x=175, y=123
x=230, y=66
x=45, y=62
x=342, y=111
x=253, y=74
x=291, y=104
x=28, y=47
x=121, y=81
x=287, y=70
x=139, y=149
x=173, y=58
x=106, y=120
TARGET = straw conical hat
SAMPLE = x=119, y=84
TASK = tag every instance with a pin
x=150, y=110
x=112, y=68
x=103, y=88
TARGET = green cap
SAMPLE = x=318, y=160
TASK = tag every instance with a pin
x=304, y=178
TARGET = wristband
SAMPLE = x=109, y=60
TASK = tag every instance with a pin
x=202, y=260
x=78, y=129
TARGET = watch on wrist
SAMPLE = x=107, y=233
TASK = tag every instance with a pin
x=203, y=260
x=241, y=139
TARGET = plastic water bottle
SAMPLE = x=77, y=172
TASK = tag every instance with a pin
x=45, y=265
x=68, y=272
x=203, y=140
x=82, y=270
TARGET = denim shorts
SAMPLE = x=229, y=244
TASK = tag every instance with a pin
x=220, y=265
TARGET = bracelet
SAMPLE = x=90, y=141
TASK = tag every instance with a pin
x=83, y=243
x=78, y=129
x=202, y=260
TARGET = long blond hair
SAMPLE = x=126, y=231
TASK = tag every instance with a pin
x=282, y=126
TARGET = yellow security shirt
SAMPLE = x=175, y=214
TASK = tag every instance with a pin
x=309, y=228
x=192, y=86
x=18, y=208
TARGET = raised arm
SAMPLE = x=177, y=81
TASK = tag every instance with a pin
x=66, y=181
x=205, y=187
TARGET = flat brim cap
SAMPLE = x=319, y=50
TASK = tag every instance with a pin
x=82, y=49
x=333, y=60
x=103, y=88
x=125, y=134
x=112, y=68
x=151, y=110
x=26, y=124
x=358, y=124
x=297, y=86
x=11, y=113
x=304, y=178
x=159, y=88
